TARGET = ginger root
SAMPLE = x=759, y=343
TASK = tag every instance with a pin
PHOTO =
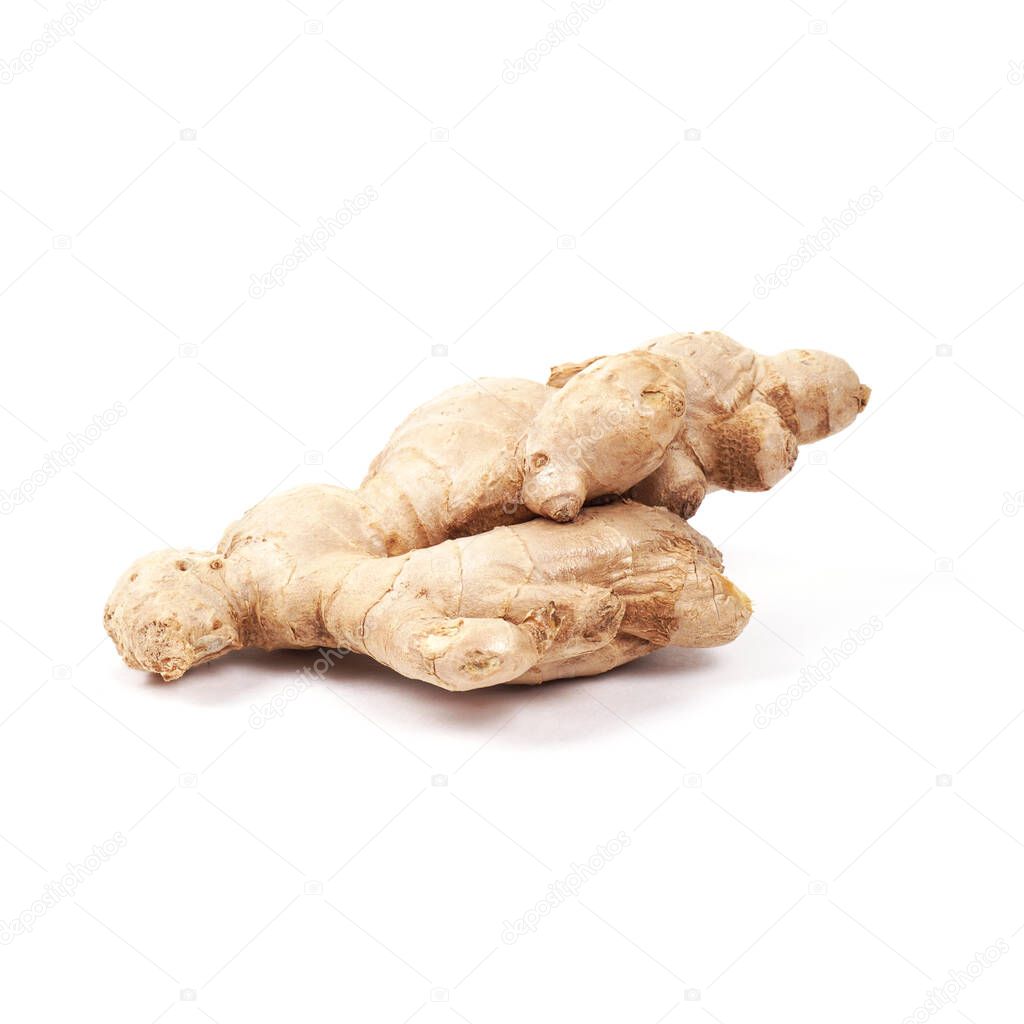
x=436, y=565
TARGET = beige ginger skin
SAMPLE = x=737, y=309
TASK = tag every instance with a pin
x=376, y=569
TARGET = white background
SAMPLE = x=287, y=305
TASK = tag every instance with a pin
x=834, y=865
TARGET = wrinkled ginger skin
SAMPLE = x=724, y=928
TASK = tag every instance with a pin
x=453, y=468
x=525, y=604
x=745, y=414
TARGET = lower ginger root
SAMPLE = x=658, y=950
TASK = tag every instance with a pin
x=520, y=604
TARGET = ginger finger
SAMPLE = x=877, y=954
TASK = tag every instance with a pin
x=604, y=431
x=454, y=653
x=752, y=450
x=826, y=394
x=678, y=484
x=622, y=649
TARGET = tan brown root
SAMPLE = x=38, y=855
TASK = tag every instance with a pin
x=436, y=565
